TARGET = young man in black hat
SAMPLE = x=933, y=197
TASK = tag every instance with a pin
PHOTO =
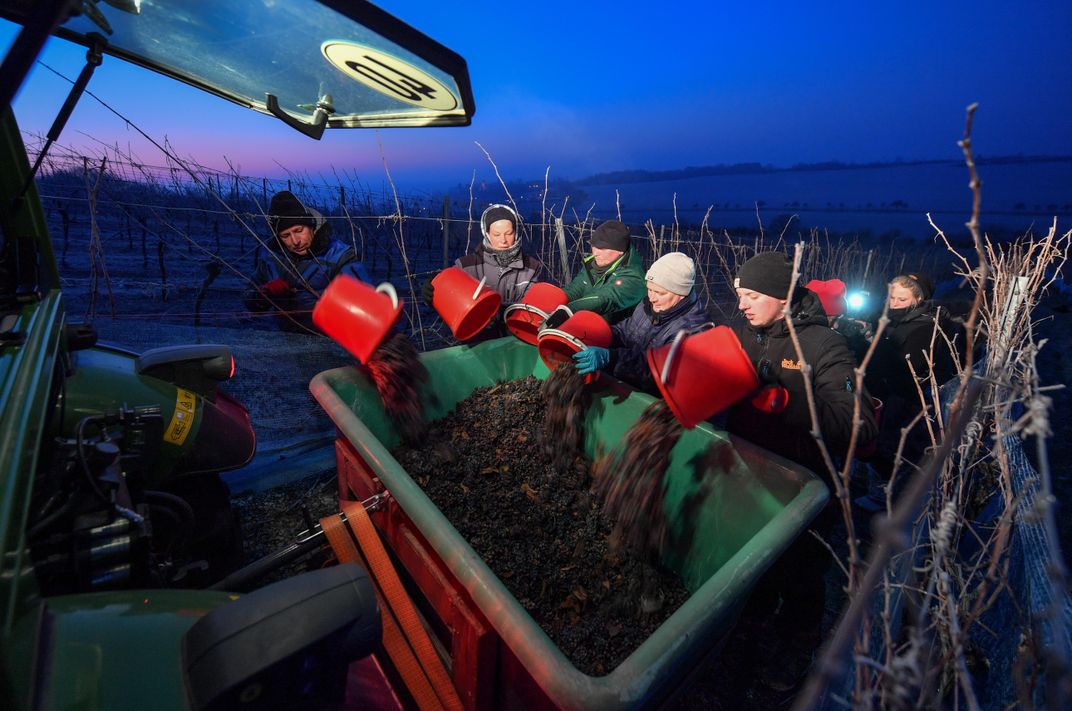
x=300, y=262
x=611, y=279
x=783, y=425
x=777, y=418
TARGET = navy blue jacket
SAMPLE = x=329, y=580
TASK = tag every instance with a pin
x=307, y=274
x=645, y=329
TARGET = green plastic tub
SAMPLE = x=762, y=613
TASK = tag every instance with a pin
x=758, y=504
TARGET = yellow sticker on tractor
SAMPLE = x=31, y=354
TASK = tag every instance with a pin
x=182, y=419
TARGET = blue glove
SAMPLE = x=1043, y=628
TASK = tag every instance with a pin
x=591, y=359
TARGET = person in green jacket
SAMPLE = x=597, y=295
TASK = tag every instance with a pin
x=611, y=279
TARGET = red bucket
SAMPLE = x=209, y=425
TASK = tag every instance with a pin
x=579, y=331
x=357, y=316
x=465, y=304
x=700, y=375
x=524, y=318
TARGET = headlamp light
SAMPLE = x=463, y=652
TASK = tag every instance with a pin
x=857, y=300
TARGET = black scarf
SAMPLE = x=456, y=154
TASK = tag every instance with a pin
x=906, y=313
x=504, y=257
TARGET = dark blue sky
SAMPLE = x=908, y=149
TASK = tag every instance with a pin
x=585, y=87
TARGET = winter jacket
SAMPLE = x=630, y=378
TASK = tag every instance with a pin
x=646, y=329
x=774, y=356
x=510, y=281
x=308, y=274
x=908, y=335
x=907, y=339
x=857, y=334
x=614, y=293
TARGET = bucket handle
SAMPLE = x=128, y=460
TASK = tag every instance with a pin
x=678, y=338
x=524, y=307
x=389, y=289
x=479, y=286
x=568, y=337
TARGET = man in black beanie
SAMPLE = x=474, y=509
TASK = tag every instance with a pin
x=611, y=279
x=286, y=212
x=769, y=273
x=777, y=418
x=298, y=263
x=782, y=422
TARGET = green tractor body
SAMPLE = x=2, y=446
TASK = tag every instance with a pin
x=97, y=611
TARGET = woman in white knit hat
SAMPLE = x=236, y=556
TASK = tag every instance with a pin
x=671, y=305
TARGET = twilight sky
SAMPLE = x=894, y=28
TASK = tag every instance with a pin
x=586, y=87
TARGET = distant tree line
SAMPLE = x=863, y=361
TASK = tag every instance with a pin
x=648, y=176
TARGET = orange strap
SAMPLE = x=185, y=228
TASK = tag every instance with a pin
x=340, y=540
x=404, y=637
x=398, y=649
x=402, y=607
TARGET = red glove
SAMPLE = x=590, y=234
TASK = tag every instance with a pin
x=771, y=399
x=277, y=287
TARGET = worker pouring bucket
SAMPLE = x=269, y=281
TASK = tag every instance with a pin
x=524, y=318
x=701, y=374
x=465, y=304
x=357, y=315
x=581, y=330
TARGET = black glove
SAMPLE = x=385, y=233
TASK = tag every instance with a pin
x=428, y=291
x=766, y=373
x=557, y=317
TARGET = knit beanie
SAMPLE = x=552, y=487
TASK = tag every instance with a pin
x=832, y=293
x=675, y=272
x=612, y=234
x=495, y=213
x=769, y=273
x=286, y=211
x=926, y=285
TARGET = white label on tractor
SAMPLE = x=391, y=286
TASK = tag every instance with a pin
x=389, y=75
